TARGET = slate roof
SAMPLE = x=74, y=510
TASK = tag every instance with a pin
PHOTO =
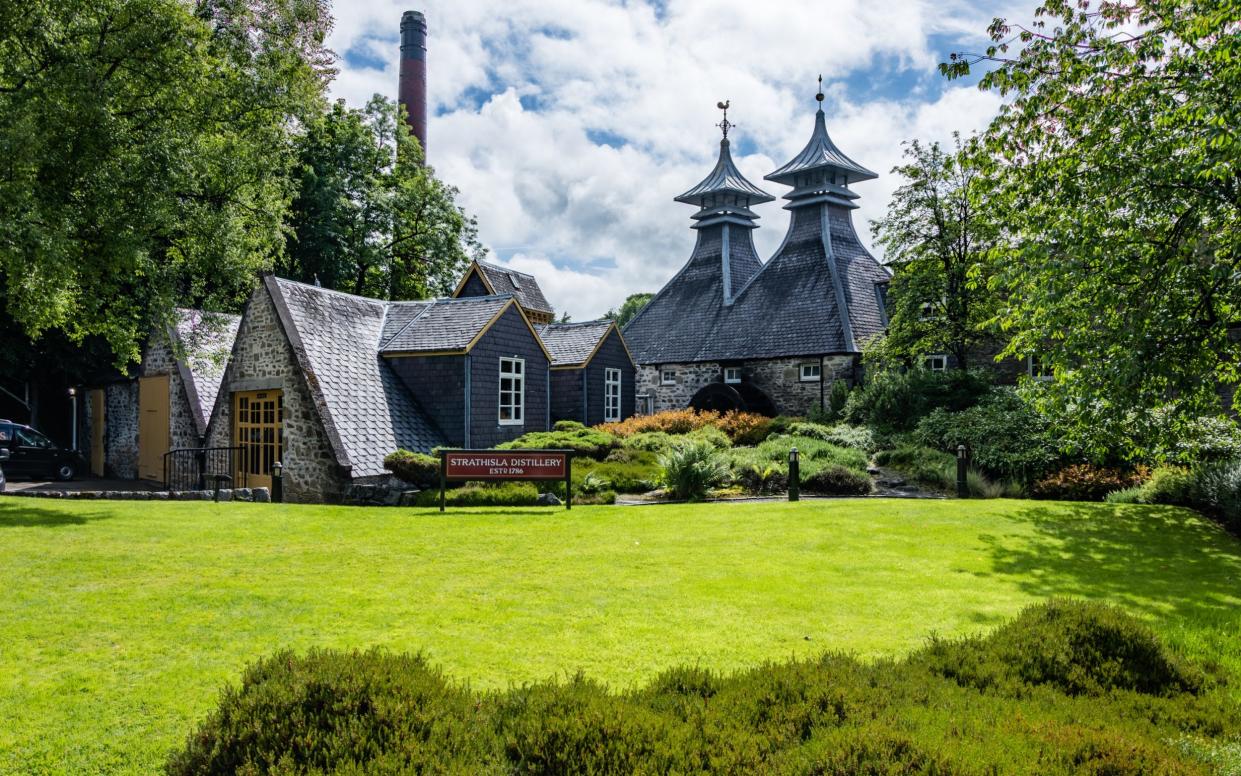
x=445, y=324
x=522, y=286
x=820, y=152
x=366, y=410
x=571, y=344
x=206, y=340
x=817, y=296
x=724, y=178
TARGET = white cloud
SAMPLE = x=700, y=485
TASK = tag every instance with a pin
x=595, y=222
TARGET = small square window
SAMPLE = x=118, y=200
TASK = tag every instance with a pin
x=732, y=374
x=1039, y=369
x=668, y=377
x=936, y=363
x=811, y=373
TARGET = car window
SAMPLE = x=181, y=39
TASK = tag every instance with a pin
x=6, y=433
x=32, y=438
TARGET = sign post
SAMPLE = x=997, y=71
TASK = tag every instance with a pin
x=502, y=465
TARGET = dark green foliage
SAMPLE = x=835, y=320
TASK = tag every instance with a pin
x=637, y=473
x=1065, y=688
x=588, y=441
x=939, y=471
x=895, y=400
x=568, y=425
x=1006, y=437
x=633, y=304
x=1077, y=647
x=1217, y=491
x=327, y=710
x=415, y=468
x=836, y=480
x=1083, y=482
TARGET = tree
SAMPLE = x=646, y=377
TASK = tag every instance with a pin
x=145, y=156
x=632, y=305
x=936, y=241
x=1114, y=167
x=368, y=216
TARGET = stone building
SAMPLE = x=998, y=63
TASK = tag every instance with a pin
x=731, y=332
x=131, y=422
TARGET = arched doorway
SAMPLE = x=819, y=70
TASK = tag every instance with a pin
x=743, y=397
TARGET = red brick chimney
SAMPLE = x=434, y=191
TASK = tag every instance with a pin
x=412, y=90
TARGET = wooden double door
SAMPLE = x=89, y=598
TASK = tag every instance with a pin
x=258, y=432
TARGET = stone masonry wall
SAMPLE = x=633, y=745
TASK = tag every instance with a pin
x=120, y=430
x=263, y=360
x=778, y=378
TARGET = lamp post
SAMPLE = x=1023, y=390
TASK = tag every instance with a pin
x=963, y=490
x=794, y=475
x=73, y=432
x=277, y=482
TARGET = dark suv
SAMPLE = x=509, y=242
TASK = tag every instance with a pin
x=34, y=456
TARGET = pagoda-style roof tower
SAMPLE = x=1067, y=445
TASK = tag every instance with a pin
x=818, y=296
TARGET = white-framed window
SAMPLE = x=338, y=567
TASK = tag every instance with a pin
x=935, y=363
x=1039, y=369
x=810, y=373
x=668, y=377
x=512, y=391
x=732, y=374
x=926, y=312
x=611, y=395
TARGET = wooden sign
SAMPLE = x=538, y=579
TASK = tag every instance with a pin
x=497, y=465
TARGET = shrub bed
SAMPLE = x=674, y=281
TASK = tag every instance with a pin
x=415, y=468
x=1084, y=482
x=938, y=471
x=568, y=435
x=742, y=428
x=1065, y=688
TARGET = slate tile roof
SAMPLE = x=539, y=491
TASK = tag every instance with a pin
x=522, y=286
x=572, y=344
x=206, y=339
x=445, y=324
x=725, y=178
x=820, y=152
x=369, y=411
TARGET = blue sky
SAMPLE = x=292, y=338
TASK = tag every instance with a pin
x=569, y=125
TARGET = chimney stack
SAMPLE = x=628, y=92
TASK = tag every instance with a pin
x=412, y=90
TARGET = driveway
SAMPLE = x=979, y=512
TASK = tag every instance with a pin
x=82, y=484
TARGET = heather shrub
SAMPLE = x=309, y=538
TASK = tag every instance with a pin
x=649, y=441
x=415, y=468
x=326, y=710
x=836, y=480
x=691, y=468
x=840, y=434
x=814, y=454
x=741, y=427
x=637, y=474
x=757, y=476
x=1077, y=647
x=1084, y=482
x=568, y=425
x=712, y=436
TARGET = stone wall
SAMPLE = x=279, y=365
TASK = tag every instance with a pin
x=120, y=430
x=263, y=359
x=779, y=378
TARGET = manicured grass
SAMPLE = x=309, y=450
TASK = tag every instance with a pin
x=119, y=622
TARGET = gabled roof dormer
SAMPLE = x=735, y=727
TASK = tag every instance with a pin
x=484, y=279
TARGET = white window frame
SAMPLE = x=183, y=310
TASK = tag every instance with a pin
x=928, y=362
x=612, y=382
x=667, y=377
x=732, y=375
x=1038, y=370
x=804, y=374
x=514, y=399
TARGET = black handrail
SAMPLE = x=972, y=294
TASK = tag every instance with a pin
x=190, y=468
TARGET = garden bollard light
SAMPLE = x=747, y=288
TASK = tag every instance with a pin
x=277, y=482
x=963, y=490
x=794, y=475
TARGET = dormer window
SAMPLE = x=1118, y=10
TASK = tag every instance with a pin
x=513, y=279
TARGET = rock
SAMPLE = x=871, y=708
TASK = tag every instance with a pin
x=159, y=495
x=874, y=471
x=243, y=494
x=548, y=500
x=262, y=495
x=409, y=498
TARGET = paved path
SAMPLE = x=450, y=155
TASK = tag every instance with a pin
x=83, y=484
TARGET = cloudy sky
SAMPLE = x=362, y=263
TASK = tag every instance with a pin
x=569, y=125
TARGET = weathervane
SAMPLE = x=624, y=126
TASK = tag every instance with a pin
x=725, y=125
x=819, y=96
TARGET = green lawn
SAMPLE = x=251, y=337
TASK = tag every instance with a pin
x=119, y=622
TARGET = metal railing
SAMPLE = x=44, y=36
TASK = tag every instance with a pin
x=195, y=468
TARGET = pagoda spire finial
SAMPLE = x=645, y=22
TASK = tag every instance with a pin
x=725, y=125
x=819, y=95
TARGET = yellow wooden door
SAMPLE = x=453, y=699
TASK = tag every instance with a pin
x=258, y=432
x=154, y=405
x=96, y=433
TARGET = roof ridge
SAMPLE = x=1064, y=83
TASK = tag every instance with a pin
x=384, y=302
x=498, y=268
x=455, y=299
